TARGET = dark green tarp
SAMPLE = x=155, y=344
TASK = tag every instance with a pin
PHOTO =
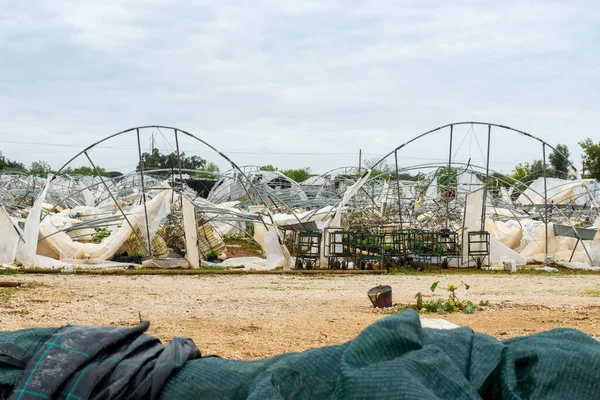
x=392, y=359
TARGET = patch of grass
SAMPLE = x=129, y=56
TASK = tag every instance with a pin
x=16, y=312
x=240, y=240
x=10, y=271
x=275, y=288
x=7, y=293
x=213, y=268
x=592, y=292
x=434, y=270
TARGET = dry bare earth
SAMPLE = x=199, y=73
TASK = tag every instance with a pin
x=253, y=316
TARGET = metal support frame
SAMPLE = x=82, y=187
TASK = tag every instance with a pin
x=341, y=248
x=448, y=242
x=545, y=200
x=449, y=175
x=308, y=250
x=370, y=249
x=398, y=190
x=141, y=163
x=395, y=248
x=114, y=199
x=178, y=162
x=478, y=238
x=487, y=180
x=425, y=245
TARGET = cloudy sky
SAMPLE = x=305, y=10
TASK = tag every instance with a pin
x=297, y=83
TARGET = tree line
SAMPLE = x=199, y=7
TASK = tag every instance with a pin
x=524, y=173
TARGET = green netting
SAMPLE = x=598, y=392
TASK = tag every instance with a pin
x=396, y=359
x=393, y=358
x=16, y=349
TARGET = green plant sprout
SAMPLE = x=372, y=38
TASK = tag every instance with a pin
x=452, y=304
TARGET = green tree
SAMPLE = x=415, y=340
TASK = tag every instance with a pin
x=298, y=175
x=157, y=160
x=405, y=176
x=8, y=165
x=559, y=160
x=529, y=172
x=447, y=180
x=88, y=171
x=591, y=158
x=114, y=174
x=210, y=172
x=40, y=168
x=268, y=167
x=382, y=168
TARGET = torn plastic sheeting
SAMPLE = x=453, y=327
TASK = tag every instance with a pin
x=62, y=244
x=190, y=228
x=472, y=221
x=248, y=263
x=500, y=253
x=585, y=266
x=559, y=191
x=26, y=249
x=595, y=247
x=277, y=254
x=533, y=241
x=508, y=233
x=9, y=239
x=335, y=222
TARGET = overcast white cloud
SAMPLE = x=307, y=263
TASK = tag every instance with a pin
x=297, y=76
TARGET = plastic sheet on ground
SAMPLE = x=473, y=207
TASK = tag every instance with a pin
x=249, y=263
x=500, y=253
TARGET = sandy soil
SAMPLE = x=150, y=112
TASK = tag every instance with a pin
x=254, y=316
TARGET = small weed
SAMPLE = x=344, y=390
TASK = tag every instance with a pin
x=100, y=234
x=16, y=312
x=212, y=256
x=10, y=271
x=452, y=304
x=6, y=294
x=592, y=292
x=213, y=268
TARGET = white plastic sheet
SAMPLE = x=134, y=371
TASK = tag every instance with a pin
x=335, y=222
x=595, y=248
x=190, y=228
x=277, y=254
x=472, y=219
x=66, y=248
x=26, y=250
x=9, y=239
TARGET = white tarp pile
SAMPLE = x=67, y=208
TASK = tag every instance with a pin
x=59, y=249
x=561, y=191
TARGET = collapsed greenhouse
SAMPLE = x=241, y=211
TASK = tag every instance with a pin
x=455, y=213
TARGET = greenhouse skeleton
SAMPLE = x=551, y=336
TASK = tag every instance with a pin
x=452, y=214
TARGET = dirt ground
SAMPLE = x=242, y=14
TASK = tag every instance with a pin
x=253, y=316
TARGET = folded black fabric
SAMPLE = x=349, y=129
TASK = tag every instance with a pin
x=90, y=362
